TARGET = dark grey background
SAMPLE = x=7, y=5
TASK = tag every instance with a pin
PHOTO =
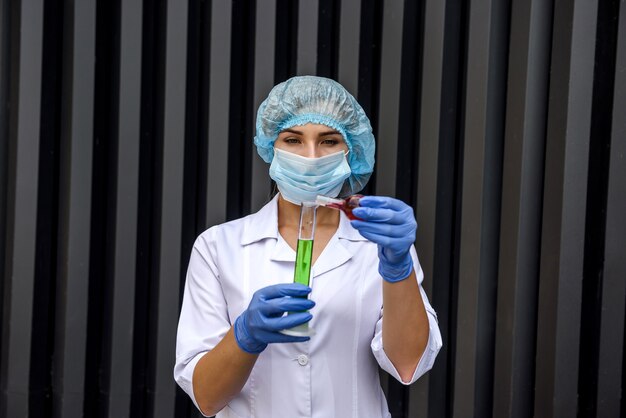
x=126, y=129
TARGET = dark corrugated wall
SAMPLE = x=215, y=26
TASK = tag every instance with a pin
x=126, y=129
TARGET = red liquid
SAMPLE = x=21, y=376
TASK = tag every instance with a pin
x=348, y=204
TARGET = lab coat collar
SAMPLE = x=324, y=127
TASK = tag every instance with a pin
x=264, y=224
x=335, y=254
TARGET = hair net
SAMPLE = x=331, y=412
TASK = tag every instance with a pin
x=309, y=99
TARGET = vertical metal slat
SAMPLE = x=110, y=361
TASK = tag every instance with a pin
x=75, y=211
x=307, y=37
x=350, y=26
x=221, y=16
x=387, y=135
x=521, y=208
x=471, y=267
x=610, y=365
x=5, y=75
x=263, y=82
x=171, y=205
x=23, y=159
x=126, y=210
x=563, y=217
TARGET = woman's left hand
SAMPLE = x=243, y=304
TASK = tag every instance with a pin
x=390, y=223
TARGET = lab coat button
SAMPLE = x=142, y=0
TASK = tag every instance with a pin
x=303, y=360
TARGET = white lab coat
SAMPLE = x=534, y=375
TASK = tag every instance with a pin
x=335, y=374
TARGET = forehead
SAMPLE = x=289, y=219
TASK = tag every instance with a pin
x=311, y=129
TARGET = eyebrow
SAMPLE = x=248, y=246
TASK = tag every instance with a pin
x=324, y=133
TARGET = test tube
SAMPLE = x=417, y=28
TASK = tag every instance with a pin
x=304, y=256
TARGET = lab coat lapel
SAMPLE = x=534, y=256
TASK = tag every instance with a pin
x=337, y=252
x=333, y=256
x=261, y=225
x=282, y=251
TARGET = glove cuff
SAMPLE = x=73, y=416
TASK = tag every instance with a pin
x=244, y=341
x=394, y=272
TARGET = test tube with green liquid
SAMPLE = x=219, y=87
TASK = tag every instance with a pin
x=304, y=257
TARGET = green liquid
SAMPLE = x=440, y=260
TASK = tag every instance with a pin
x=304, y=255
x=302, y=275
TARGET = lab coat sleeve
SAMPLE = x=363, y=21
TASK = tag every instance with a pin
x=434, y=337
x=204, y=318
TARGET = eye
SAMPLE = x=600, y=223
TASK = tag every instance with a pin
x=331, y=141
x=291, y=140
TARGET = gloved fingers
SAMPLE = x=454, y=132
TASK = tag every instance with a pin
x=277, y=306
x=390, y=216
x=382, y=202
x=258, y=325
x=385, y=210
x=282, y=289
x=392, y=231
x=378, y=215
x=287, y=321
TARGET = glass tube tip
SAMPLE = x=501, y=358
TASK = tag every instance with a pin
x=325, y=200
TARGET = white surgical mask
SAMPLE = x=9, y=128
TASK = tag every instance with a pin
x=301, y=179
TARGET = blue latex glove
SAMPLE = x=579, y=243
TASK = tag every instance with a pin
x=258, y=325
x=390, y=223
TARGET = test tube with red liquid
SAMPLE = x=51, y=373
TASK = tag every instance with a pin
x=346, y=205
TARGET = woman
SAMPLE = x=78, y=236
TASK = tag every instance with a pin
x=232, y=359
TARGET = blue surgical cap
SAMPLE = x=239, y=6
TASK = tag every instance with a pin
x=309, y=99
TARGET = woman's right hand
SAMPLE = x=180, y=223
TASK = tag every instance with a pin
x=260, y=324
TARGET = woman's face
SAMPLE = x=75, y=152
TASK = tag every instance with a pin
x=311, y=140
